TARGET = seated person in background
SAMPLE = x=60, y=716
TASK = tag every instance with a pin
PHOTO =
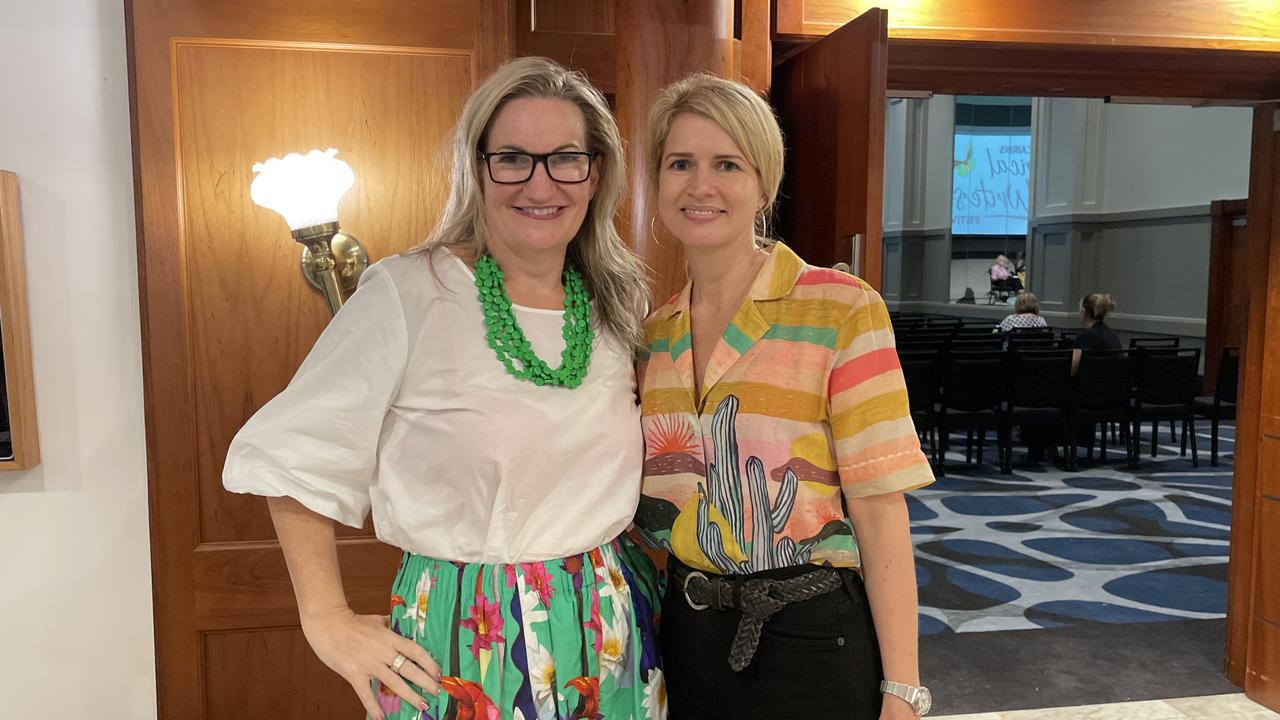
x=1097, y=335
x=1001, y=272
x=1026, y=314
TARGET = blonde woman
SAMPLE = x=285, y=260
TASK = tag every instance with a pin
x=1025, y=316
x=772, y=400
x=1097, y=334
x=487, y=416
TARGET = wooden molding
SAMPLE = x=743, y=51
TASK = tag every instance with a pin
x=16, y=331
x=1135, y=23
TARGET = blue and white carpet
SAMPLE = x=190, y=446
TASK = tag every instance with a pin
x=1045, y=548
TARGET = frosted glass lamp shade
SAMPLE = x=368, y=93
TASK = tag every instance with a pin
x=304, y=189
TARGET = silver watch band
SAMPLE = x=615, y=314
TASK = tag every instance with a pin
x=919, y=698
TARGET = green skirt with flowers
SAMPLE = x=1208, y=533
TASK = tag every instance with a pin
x=565, y=639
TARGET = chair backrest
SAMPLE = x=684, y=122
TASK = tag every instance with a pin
x=973, y=380
x=937, y=321
x=1153, y=342
x=1167, y=376
x=920, y=370
x=1104, y=382
x=1228, y=375
x=1031, y=339
x=985, y=342
x=1040, y=378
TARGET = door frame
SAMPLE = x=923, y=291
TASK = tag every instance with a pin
x=1178, y=76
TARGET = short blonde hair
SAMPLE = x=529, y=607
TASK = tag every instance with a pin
x=1026, y=303
x=744, y=116
x=614, y=276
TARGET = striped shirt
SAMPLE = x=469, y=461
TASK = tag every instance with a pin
x=802, y=404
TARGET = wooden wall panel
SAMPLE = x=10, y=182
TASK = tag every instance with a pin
x=959, y=67
x=253, y=320
x=226, y=314
x=15, y=332
x=756, y=49
x=495, y=35
x=1235, y=24
x=240, y=586
x=1262, y=678
x=252, y=674
x=575, y=33
x=663, y=42
x=592, y=17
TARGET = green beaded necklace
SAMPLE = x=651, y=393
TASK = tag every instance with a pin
x=508, y=340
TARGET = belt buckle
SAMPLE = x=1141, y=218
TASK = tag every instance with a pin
x=685, y=589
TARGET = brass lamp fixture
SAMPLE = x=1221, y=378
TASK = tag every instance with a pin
x=305, y=190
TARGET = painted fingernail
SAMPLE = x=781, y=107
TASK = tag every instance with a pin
x=422, y=705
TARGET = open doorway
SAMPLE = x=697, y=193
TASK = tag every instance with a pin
x=1109, y=576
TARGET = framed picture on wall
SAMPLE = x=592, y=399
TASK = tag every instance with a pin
x=19, y=448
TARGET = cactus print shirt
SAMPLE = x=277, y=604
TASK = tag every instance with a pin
x=803, y=404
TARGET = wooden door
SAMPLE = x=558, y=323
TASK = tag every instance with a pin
x=1253, y=592
x=218, y=85
x=1228, y=285
x=830, y=99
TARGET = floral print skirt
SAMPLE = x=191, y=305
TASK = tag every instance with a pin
x=565, y=639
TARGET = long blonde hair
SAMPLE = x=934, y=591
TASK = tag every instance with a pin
x=743, y=115
x=613, y=274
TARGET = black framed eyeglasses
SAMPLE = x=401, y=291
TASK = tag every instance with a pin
x=513, y=168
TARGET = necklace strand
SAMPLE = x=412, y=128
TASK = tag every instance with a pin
x=513, y=349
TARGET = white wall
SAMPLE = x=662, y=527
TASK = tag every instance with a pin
x=75, y=584
x=1161, y=157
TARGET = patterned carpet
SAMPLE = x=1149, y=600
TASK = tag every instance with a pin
x=1043, y=548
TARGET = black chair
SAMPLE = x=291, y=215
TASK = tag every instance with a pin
x=1103, y=387
x=1153, y=343
x=920, y=370
x=1067, y=337
x=1039, y=394
x=1222, y=405
x=1165, y=382
x=1030, y=339
x=1157, y=343
x=987, y=342
x=1001, y=290
x=972, y=398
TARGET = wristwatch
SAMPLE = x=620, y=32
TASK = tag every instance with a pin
x=919, y=698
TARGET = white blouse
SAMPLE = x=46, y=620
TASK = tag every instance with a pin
x=403, y=407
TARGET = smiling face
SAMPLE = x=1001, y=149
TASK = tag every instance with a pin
x=708, y=194
x=540, y=214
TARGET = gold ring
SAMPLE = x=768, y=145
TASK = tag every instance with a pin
x=395, y=664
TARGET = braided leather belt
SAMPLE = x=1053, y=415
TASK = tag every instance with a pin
x=758, y=599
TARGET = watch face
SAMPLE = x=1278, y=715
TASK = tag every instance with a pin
x=924, y=701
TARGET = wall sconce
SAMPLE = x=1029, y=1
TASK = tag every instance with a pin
x=305, y=190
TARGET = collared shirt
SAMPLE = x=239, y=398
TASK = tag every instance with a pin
x=802, y=405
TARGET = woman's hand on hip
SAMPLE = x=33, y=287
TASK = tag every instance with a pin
x=362, y=648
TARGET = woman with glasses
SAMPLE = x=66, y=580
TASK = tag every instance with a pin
x=772, y=400
x=492, y=429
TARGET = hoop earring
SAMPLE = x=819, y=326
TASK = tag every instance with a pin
x=653, y=232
